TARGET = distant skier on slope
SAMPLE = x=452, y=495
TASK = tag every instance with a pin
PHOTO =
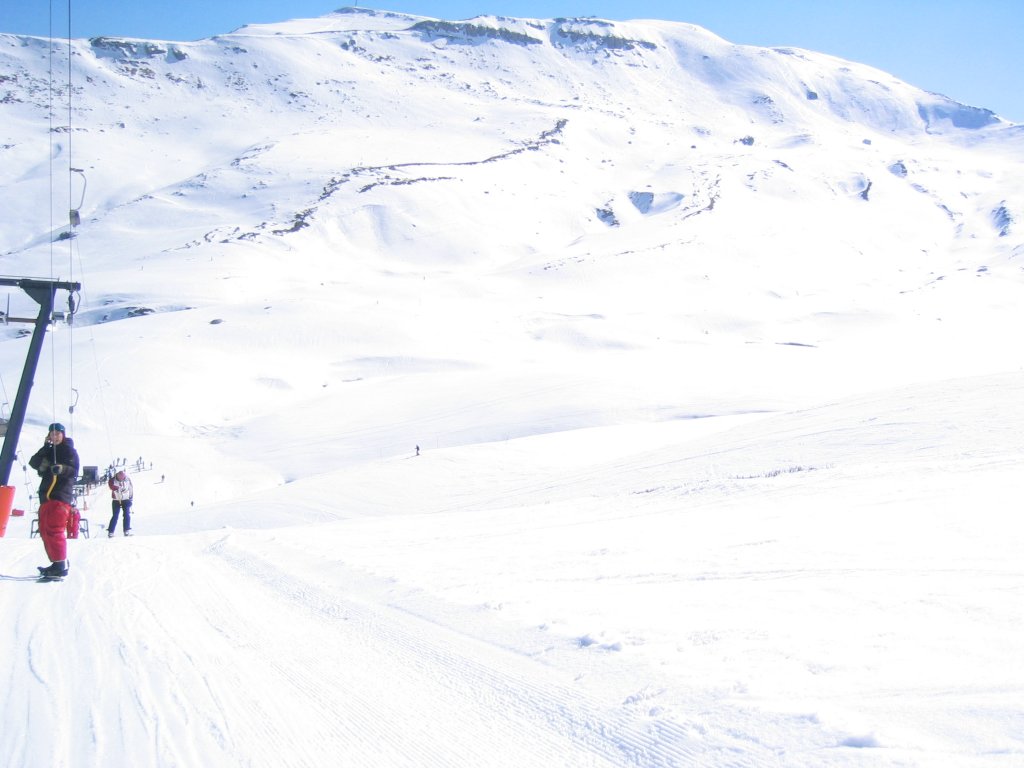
x=57, y=464
x=121, y=493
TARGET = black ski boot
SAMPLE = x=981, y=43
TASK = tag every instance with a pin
x=57, y=570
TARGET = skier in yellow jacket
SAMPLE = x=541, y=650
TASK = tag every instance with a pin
x=57, y=464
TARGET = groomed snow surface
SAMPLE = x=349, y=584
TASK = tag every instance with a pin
x=835, y=586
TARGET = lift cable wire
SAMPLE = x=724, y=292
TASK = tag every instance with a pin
x=58, y=382
x=73, y=218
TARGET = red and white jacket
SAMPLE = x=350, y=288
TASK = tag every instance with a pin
x=120, y=490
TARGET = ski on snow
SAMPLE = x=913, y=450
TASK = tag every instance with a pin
x=5, y=577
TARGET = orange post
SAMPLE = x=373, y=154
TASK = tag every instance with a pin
x=6, y=501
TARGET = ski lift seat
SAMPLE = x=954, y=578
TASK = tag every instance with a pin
x=83, y=528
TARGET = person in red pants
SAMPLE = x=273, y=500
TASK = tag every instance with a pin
x=57, y=464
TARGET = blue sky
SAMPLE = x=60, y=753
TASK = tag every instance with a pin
x=969, y=51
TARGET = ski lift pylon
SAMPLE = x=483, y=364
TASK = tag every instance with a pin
x=42, y=292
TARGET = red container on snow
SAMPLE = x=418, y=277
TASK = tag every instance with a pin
x=6, y=500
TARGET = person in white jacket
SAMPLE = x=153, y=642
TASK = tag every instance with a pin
x=121, y=501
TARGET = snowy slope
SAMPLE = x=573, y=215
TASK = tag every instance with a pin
x=707, y=351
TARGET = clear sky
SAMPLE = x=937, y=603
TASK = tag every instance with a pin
x=969, y=50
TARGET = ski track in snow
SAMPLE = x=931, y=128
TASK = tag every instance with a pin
x=490, y=705
x=260, y=647
x=493, y=696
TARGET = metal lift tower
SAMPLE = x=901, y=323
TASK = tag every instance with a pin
x=43, y=293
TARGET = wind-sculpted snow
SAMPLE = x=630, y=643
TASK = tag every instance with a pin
x=959, y=115
x=121, y=311
x=1003, y=219
x=469, y=33
x=135, y=49
x=651, y=202
x=592, y=36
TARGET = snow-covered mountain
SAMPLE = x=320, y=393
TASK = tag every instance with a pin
x=705, y=195
x=523, y=356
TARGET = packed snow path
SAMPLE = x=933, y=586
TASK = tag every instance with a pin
x=233, y=661
x=699, y=599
